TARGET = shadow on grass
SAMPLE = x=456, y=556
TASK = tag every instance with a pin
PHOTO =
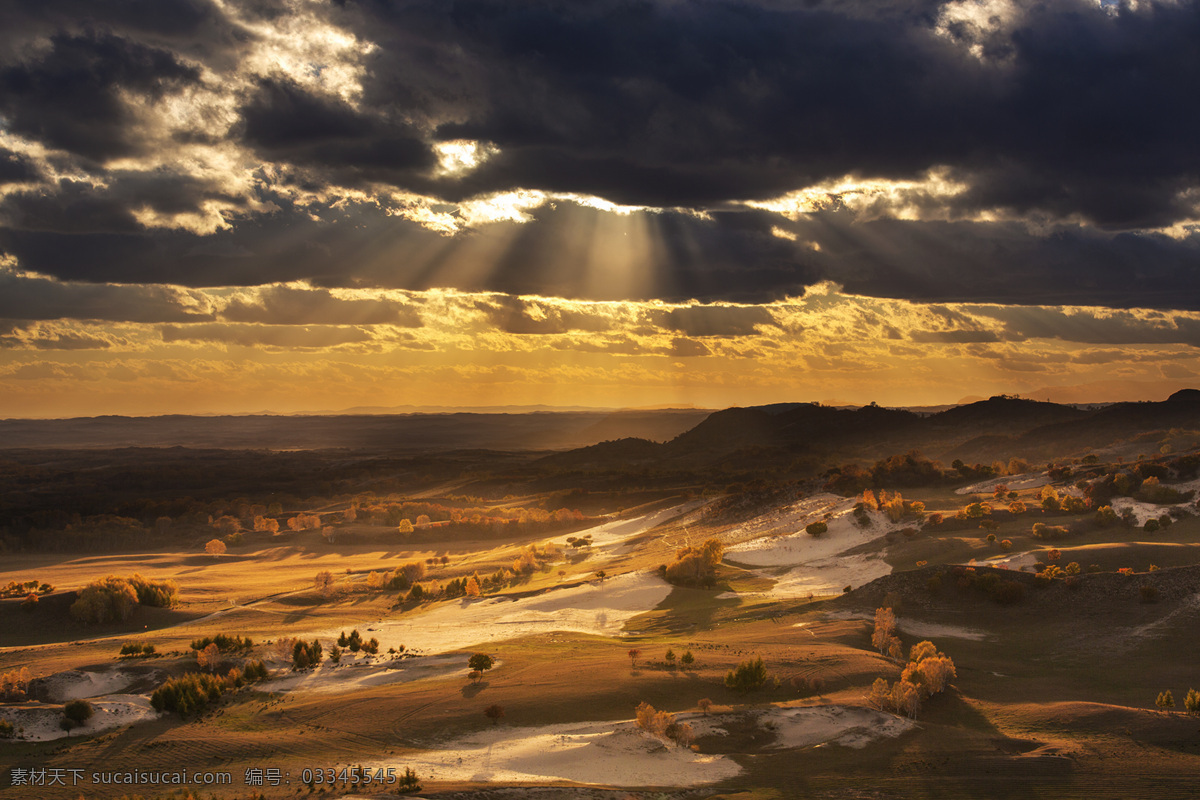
x=472, y=689
x=683, y=610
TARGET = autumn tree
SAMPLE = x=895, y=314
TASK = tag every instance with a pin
x=266, y=524
x=696, y=565
x=885, y=628
x=209, y=658
x=633, y=655
x=323, y=583
x=704, y=704
x=215, y=547
x=1191, y=703
x=1165, y=701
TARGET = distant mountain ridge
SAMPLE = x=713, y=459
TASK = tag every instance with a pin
x=761, y=437
x=999, y=428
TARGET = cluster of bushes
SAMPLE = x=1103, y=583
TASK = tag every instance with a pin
x=188, y=694
x=470, y=586
x=695, y=566
x=927, y=673
x=747, y=676
x=193, y=692
x=1004, y=591
x=112, y=599
x=306, y=655
x=531, y=559
x=911, y=469
x=663, y=725
x=18, y=588
x=225, y=643
x=138, y=650
x=914, y=470
x=354, y=643
x=1143, y=482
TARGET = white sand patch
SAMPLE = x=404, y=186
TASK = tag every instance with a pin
x=818, y=564
x=601, y=753
x=1015, y=483
x=611, y=537
x=783, y=542
x=74, y=684
x=349, y=676
x=1016, y=562
x=935, y=630
x=829, y=576
x=788, y=520
x=914, y=627
x=598, y=607
x=1141, y=511
x=813, y=726
x=39, y=722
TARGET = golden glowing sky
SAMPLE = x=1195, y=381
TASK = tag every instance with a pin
x=254, y=352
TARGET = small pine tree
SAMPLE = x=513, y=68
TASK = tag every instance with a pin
x=1165, y=701
x=1191, y=703
x=687, y=659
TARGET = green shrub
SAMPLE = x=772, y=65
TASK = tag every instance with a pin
x=78, y=711
x=188, y=694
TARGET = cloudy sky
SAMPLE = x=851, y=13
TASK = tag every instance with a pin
x=241, y=205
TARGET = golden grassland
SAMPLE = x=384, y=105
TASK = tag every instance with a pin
x=1052, y=701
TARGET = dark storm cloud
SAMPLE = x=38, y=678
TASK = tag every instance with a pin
x=732, y=256
x=69, y=96
x=1073, y=112
x=285, y=123
x=15, y=168
x=1077, y=110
